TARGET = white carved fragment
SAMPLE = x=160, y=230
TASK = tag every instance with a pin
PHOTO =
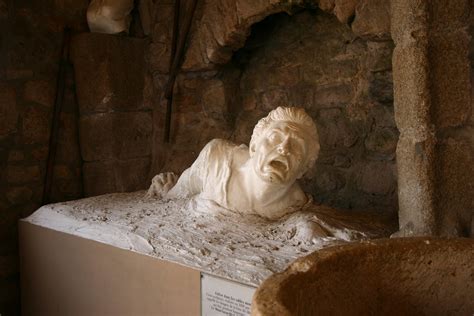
x=109, y=16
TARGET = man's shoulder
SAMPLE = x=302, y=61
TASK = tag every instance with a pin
x=221, y=151
x=222, y=145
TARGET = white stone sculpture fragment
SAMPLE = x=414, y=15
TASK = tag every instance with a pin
x=109, y=16
x=257, y=180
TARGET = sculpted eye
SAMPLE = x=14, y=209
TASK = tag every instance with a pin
x=274, y=137
x=297, y=148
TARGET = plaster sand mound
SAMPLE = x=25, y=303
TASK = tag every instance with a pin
x=198, y=234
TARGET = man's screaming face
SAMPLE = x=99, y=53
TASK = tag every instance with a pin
x=279, y=155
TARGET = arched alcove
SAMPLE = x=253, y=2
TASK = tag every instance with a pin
x=222, y=27
x=309, y=59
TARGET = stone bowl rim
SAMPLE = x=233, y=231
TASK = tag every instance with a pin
x=270, y=287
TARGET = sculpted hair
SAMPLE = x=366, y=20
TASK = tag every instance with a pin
x=292, y=115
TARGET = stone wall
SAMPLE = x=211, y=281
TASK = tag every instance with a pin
x=115, y=112
x=30, y=47
x=435, y=153
x=312, y=60
x=341, y=74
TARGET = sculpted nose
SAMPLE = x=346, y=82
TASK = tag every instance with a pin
x=284, y=147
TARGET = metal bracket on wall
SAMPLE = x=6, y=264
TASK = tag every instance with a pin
x=177, y=54
x=58, y=104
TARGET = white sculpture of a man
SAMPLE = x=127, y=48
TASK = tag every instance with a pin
x=258, y=180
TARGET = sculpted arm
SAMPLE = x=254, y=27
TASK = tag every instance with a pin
x=189, y=183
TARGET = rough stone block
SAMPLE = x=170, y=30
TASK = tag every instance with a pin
x=449, y=15
x=305, y=95
x=19, y=195
x=410, y=87
x=40, y=153
x=345, y=9
x=372, y=19
x=146, y=9
x=62, y=172
x=8, y=111
x=214, y=97
x=341, y=69
x=191, y=131
x=249, y=102
x=245, y=124
x=23, y=174
x=72, y=11
x=408, y=19
x=65, y=190
x=148, y=93
x=159, y=57
x=181, y=161
x=450, y=78
x=15, y=73
x=329, y=180
x=221, y=31
x=3, y=9
x=248, y=9
x=115, y=135
x=272, y=99
x=332, y=95
x=115, y=176
x=284, y=75
x=110, y=72
x=326, y=5
x=163, y=28
x=36, y=125
x=383, y=116
x=159, y=51
x=455, y=185
x=376, y=178
x=68, y=151
x=40, y=91
x=335, y=130
x=224, y=23
x=416, y=190
x=186, y=96
x=381, y=87
x=15, y=155
x=382, y=141
x=202, y=49
x=380, y=55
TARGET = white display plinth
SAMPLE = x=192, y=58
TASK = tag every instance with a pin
x=124, y=254
x=62, y=274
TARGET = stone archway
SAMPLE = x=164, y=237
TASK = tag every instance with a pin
x=224, y=25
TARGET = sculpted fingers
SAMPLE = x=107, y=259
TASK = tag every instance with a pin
x=161, y=184
x=170, y=180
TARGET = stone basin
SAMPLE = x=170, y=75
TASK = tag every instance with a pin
x=401, y=276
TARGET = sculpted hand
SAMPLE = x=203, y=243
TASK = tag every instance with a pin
x=161, y=184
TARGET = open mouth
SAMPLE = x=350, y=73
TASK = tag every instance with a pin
x=279, y=165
